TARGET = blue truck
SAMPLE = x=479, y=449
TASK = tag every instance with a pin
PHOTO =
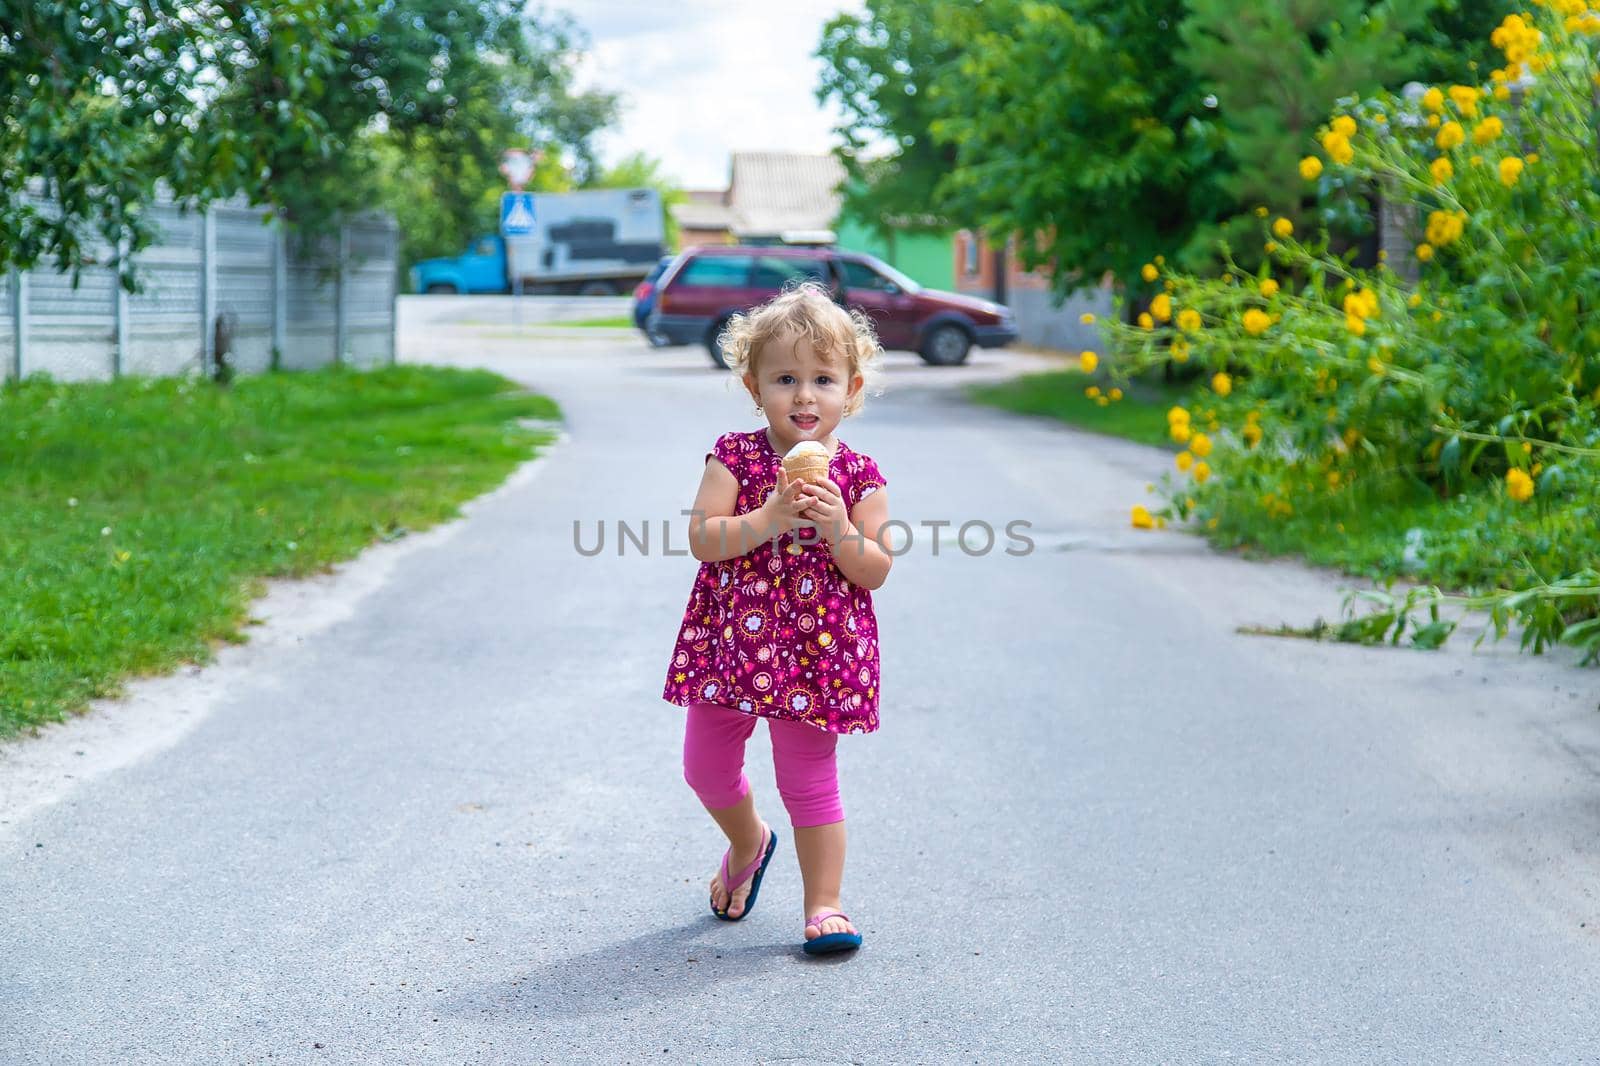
x=595, y=242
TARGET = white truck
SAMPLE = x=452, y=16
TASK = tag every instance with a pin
x=594, y=242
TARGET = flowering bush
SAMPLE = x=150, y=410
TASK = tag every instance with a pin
x=1337, y=388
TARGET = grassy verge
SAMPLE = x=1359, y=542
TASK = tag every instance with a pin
x=612, y=322
x=1388, y=527
x=138, y=517
x=1141, y=415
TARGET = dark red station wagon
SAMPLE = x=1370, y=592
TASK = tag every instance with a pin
x=698, y=293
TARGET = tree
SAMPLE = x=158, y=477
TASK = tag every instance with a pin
x=100, y=100
x=1272, y=71
x=1073, y=128
x=316, y=108
x=877, y=67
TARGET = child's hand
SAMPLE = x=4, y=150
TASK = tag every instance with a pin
x=826, y=508
x=787, y=505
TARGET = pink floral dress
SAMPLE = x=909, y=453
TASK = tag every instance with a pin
x=781, y=633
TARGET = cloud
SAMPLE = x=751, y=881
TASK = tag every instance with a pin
x=704, y=78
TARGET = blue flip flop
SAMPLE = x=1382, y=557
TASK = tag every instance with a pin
x=757, y=868
x=830, y=942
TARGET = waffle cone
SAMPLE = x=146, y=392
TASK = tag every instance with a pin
x=806, y=468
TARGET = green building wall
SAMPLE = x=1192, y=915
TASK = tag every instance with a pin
x=928, y=258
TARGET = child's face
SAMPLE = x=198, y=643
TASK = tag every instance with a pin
x=802, y=394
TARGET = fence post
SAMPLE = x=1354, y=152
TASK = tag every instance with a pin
x=119, y=361
x=341, y=291
x=280, y=292
x=208, y=289
x=19, y=323
x=394, y=292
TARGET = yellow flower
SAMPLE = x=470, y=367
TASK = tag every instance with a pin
x=1201, y=471
x=1145, y=321
x=1200, y=445
x=1502, y=92
x=1445, y=227
x=1433, y=100
x=1310, y=168
x=1282, y=228
x=1222, y=384
x=1189, y=320
x=1180, y=432
x=1271, y=246
x=1251, y=434
x=1149, y=272
x=1102, y=401
x=1344, y=125
x=1487, y=130
x=1442, y=170
x=1519, y=486
x=1180, y=350
x=1375, y=365
x=1184, y=460
x=1533, y=157
x=1092, y=391
x=1424, y=253
x=1269, y=288
x=1510, y=170
x=1256, y=322
x=1433, y=122
x=1177, y=414
x=1337, y=145
x=1161, y=306
x=1415, y=299
x=1261, y=211
x=1465, y=97
x=1088, y=360
x=1115, y=394
x=1141, y=517
x=1355, y=324
x=1087, y=318
x=1451, y=135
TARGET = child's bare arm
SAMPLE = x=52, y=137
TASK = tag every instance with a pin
x=858, y=551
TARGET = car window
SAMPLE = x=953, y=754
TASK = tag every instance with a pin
x=774, y=273
x=858, y=275
x=715, y=271
x=486, y=246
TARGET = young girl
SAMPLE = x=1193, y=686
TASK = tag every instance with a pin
x=780, y=624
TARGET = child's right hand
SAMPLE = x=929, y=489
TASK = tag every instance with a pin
x=787, y=504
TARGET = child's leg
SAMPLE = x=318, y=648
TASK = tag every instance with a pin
x=713, y=765
x=805, y=764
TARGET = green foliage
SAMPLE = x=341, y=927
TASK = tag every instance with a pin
x=137, y=516
x=1274, y=70
x=877, y=68
x=316, y=109
x=1083, y=125
x=1339, y=391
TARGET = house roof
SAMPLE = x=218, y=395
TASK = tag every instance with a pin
x=769, y=193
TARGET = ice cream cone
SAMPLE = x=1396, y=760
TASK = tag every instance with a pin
x=806, y=461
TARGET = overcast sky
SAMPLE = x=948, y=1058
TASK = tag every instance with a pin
x=703, y=78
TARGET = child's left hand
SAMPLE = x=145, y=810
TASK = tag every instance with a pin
x=827, y=510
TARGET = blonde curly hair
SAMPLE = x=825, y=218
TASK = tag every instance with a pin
x=806, y=312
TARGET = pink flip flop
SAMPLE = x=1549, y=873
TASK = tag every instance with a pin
x=827, y=942
x=756, y=869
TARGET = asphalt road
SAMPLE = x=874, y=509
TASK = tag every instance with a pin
x=435, y=812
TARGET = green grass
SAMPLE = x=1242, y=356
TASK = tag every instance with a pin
x=138, y=517
x=613, y=322
x=1141, y=415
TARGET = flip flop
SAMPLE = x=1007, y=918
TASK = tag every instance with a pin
x=829, y=942
x=757, y=868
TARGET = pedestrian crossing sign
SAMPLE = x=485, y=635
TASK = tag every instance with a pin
x=516, y=214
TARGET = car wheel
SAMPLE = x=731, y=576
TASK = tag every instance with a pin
x=597, y=288
x=440, y=288
x=714, y=346
x=946, y=345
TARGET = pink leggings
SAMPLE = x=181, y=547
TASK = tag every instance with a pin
x=802, y=760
